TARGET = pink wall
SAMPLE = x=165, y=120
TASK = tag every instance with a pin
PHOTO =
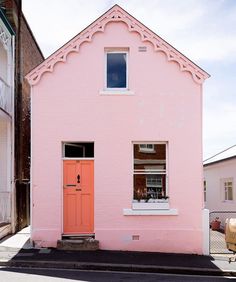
x=166, y=106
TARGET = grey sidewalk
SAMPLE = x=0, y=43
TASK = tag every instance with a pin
x=10, y=255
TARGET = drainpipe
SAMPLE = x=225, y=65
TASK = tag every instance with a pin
x=13, y=186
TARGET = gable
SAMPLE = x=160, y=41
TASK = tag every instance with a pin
x=117, y=14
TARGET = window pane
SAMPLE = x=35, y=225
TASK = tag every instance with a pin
x=146, y=147
x=149, y=172
x=230, y=193
x=145, y=161
x=116, y=70
x=148, y=186
x=78, y=150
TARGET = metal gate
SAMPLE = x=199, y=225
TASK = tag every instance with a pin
x=217, y=231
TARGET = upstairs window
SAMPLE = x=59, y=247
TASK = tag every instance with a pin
x=116, y=70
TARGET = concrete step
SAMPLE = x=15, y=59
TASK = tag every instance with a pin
x=78, y=244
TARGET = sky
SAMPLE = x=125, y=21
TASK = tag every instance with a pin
x=203, y=30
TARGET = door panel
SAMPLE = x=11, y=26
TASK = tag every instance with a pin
x=78, y=197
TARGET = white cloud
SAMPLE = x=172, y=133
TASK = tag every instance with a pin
x=192, y=26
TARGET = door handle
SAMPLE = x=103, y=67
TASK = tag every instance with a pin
x=78, y=189
x=78, y=178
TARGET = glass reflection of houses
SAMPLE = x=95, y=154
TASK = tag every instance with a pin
x=150, y=172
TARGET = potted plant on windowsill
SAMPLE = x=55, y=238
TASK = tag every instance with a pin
x=215, y=224
x=162, y=197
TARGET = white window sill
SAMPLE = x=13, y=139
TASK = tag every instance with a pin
x=116, y=92
x=150, y=212
x=151, y=206
x=147, y=151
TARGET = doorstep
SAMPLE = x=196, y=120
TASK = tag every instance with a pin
x=78, y=244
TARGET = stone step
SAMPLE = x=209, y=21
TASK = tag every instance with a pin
x=78, y=244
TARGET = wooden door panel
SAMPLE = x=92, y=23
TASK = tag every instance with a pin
x=86, y=217
x=70, y=169
x=78, y=197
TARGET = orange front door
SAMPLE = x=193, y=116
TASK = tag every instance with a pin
x=78, y=197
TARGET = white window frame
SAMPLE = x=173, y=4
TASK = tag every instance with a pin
x=225, y=188
x=153, y=184
x=118, y=89
x=73, y=143
x=205, y=189
x=144, y=148
x=157, y=204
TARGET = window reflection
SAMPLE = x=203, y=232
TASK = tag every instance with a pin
x=116, y=70
x=150, y=172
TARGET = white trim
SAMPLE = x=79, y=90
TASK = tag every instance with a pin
x=5, y=37
x=13, y=189
x=76, y=144
x=117, y=92
x=224, y=191
x=150, y=212
x=31, y=163
x=74, y=159
x=160, y=172
x=62, y=196
x=205, y=228
x=162, y=205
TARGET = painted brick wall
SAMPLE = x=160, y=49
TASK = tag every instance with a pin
x=27, y=56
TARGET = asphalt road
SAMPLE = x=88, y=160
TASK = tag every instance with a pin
x=59, y=275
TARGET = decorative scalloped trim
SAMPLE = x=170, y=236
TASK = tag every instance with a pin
x=117, y=14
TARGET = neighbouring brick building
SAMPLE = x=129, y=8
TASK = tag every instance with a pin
x=27, y=55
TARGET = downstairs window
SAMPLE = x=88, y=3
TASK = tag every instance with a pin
x=149, y=174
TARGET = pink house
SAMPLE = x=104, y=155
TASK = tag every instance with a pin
x=117, y=141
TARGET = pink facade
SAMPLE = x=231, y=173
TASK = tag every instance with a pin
x=163, y=104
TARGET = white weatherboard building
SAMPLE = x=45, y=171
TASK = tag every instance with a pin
x=220, y=181
x=6, y=125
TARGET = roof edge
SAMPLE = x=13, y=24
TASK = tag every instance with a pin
x=219, y=161
x=117, y=14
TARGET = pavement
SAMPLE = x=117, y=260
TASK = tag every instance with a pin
x=16, y=251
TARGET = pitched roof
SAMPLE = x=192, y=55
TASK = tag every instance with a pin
x=227, y=154
x=117, y=14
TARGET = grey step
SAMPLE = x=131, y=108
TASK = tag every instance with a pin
x=88, y=244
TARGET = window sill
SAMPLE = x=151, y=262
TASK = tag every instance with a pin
x=116, y=92
x=150, y=212
x=151, y=206
x=147, y=151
